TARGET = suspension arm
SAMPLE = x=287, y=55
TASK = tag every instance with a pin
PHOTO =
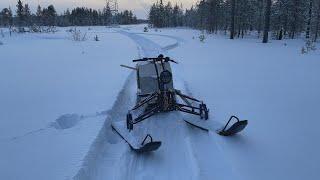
x=187, y=97
x=146, y=115
x=188, y=109
x=145, y=101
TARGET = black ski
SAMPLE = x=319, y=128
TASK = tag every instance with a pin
x=235, y=128
x=147, y=144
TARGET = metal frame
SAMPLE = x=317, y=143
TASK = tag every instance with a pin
x=164, y=100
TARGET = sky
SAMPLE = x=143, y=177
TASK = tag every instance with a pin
x=139, y=7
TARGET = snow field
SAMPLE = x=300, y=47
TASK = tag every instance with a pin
x=178, y=157
x=46, y=76
x=272, y=85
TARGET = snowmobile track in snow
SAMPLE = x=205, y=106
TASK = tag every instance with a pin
x=185, y=154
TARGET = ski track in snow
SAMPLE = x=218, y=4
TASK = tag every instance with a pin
x=168, y=47
x=186, y=153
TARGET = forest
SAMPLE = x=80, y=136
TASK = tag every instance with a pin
x=48, y=16
x=283, y=18
x=277, y=19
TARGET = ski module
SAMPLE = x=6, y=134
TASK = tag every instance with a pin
x=156, y=94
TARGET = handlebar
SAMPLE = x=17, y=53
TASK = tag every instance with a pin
x=165, y=59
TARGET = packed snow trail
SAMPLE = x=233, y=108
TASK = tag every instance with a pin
x=186, y=153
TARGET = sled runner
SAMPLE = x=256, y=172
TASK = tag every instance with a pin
x=146, y=144
x=226, y=130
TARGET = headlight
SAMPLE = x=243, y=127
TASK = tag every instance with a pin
x=165, y=77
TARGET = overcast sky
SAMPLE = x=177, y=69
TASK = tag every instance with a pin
x=140, y=7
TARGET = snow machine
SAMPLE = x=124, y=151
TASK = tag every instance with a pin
x=156, y=94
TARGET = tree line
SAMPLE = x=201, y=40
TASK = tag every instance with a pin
x=276, y=18
x=166, y=15
x=48, y=16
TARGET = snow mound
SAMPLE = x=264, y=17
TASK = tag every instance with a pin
x=1, y=43
x=67, y=121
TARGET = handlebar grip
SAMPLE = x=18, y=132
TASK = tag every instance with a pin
x=138, y=60
x=174, y=61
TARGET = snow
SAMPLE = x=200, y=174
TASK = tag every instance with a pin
x=67, y=121
x=274, y=86
x=161, y=40
x=44, y=77
x=58, y=98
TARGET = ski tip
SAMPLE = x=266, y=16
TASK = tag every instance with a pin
x=235, y=128
x=136, y=147
x=149, y=147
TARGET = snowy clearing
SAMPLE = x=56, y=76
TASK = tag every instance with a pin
x=58, y=98
x=45, y=76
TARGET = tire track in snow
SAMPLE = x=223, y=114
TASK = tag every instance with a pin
x=147, y=48
x=170, y=46
x=108, y=149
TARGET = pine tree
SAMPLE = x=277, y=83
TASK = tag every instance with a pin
x=259, y=19
x=317, y=26
x=107, y=14
x=10, y=17
x=49, y=16
x=169, y=16
x=6, y=17
x=309, y=19
x=20, y=14
x=233, y=12
x=39, y=16
x=296, y=16
x=267, y=22
x=27, y=15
